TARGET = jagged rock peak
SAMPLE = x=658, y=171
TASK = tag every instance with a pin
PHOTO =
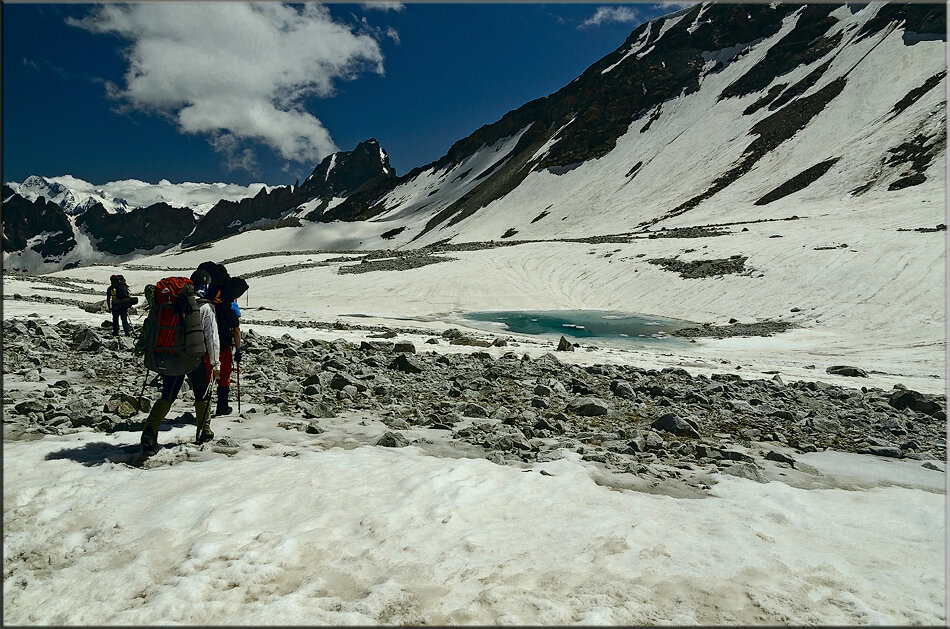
x=345, y=170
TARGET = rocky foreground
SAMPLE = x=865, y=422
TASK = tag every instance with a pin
x=512, y=409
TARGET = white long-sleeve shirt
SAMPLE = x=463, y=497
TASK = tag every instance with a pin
x=210, y=328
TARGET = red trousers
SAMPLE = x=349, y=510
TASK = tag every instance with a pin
x=225, y=358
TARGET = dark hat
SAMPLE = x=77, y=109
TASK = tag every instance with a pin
x=201, y=279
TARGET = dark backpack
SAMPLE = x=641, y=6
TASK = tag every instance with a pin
x=172, y=340
x=121, y=288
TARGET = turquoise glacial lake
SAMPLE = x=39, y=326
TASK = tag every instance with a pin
x=581, y=324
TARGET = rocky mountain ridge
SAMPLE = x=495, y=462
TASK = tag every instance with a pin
x=637, y=131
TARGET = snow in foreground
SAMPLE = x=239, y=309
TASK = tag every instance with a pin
x=284, y=532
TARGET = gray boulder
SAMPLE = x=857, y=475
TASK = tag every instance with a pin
x=404, y=347
x=672, y=423
x=86, y=340
x=319, y=410
x=745, y=470
x=907, y=398
x=622, y=389
x=588, y=407
x=393, y=440
x=377, y=346
x=474, y=410
x=342, y=380
x=405, y=364
x=772, y=455
x=564, y=345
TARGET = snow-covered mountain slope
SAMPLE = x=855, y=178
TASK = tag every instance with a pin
x=76, y=196
x=801, y=106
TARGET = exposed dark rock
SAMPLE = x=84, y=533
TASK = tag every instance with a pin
x=918, y=402
x=406, y=364
x=916, y=155
x=392, y=440
x=404, y=347
x=672, y=423
x=914, y=95
x=694, y=269
x=772, y=455
x=803, y=45
x=564, y=345
x=845, y=370
x=799, y=181
x=158, y=225
x=762, y=328
x=392, y=233
x=24, y=220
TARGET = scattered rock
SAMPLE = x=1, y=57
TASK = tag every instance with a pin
x=406, y=364
x=745, y=470
x=588, y=407
x=404, y=347
x=845, y=370
x=393, y=440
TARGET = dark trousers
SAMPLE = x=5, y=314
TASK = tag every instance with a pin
x=116, y=314
x=198, y=379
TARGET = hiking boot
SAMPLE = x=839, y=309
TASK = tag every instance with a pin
x=149, y=442
x=223, y=408
x=203, y=419
x=204, y=436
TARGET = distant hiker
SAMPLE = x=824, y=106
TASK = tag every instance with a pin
x=118, y=301
x=229, y=330
x=200, y=378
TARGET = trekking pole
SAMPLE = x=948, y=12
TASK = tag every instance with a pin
x=237, y=371
x=207, y=417
x=142, y=392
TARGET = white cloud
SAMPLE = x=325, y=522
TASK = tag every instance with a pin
x=382, y=5
x=607, y=15
x=675, y=6
x=235, y=71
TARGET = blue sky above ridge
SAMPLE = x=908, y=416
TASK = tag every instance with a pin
x=238, y=93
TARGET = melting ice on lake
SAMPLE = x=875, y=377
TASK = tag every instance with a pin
x=586, y=324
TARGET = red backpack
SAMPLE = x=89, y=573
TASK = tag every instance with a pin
x=173, y=339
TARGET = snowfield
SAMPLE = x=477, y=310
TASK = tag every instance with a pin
x=372, y=535
x=290, y=530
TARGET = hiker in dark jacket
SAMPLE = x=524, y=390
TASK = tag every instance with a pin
x=201, y=378
x=118, y=301
x=229, y=331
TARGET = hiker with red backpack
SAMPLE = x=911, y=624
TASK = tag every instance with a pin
x=181, y=341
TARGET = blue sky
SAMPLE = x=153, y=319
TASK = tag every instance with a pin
x=237, y=93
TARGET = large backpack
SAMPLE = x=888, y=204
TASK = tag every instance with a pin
x=121, y=297
x=121, y=288
x=172, y=340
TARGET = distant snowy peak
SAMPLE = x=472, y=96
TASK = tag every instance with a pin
x=35, y=187
x=76, y=196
